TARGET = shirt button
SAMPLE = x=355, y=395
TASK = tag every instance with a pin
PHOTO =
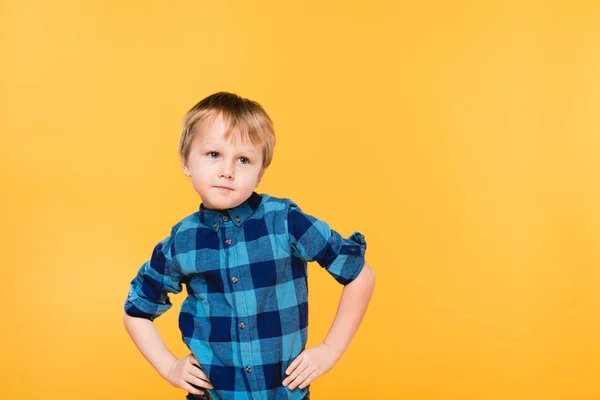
x=228, y=241
x=215, y=226
x=242, y=325
x=237, y=219
x=234, y=279
x=225, y=218
x=248, y=369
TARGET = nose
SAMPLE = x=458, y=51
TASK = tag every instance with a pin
x=226, y=171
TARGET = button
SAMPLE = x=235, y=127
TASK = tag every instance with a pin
x=248, y=369
x=234, y=279
x=215, y=226
x=228, y=241
x=225, y=218
x=242, y=325
x=237, y=219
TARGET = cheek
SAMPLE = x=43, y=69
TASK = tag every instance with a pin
x=201, y=171
x=253, y=177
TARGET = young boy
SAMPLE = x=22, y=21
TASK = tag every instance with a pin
x=243, y=259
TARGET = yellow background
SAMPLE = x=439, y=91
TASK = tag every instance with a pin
x=460, y=137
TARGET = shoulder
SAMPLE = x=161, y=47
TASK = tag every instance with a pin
x=184, y=234
x=189, y=223
x=276, y=204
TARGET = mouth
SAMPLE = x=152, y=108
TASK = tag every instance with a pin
x=223, y=188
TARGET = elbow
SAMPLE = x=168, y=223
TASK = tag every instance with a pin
x=367, y=277
x=370, y=275
x=126, y=318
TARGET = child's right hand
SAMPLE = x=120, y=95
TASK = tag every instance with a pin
x=186, y=373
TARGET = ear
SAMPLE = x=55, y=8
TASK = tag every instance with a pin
x=185, y=167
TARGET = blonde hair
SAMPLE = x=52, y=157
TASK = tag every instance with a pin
x=245, y=117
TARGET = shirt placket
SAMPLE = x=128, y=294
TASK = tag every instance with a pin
x=240, y=285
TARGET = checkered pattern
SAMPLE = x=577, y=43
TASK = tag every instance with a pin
x=246, y=314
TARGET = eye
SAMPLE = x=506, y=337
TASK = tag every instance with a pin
x=213, y=154
x=244, y=160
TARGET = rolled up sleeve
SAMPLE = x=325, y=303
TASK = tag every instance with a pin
x=149, y=291
x=313, y=240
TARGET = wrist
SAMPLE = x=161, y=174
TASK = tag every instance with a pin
x=336, y=350
x=165, y=366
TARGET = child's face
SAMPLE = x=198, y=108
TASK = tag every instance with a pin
x=224, y=172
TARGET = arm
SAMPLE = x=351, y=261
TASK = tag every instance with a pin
x=312, y=239
x=180, y=373
x=147, y=299
x=351, y=310
x=148, y=341
x=316, y=361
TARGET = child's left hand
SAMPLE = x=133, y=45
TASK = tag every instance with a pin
x=309, y=365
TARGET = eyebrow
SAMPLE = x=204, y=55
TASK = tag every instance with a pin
x=245, y=149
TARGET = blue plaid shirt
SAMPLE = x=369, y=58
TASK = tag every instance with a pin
x=246, y=313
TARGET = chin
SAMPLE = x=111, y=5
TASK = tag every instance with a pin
x=223, y=205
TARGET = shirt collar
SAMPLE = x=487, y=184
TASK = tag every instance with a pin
x=238, y=215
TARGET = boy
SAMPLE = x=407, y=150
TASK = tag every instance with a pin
x=243, y=259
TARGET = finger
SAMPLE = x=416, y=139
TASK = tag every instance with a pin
x=198, y=372
x=192, y=360
x=294, y=363
x=299, y=380
x=295, y=373
x=191, y=388
x=311, y=378
x=299, y=376
x=199, y=381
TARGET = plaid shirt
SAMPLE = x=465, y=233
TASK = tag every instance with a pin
x=246, y=314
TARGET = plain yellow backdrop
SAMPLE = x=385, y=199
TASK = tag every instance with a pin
x=461, y=137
